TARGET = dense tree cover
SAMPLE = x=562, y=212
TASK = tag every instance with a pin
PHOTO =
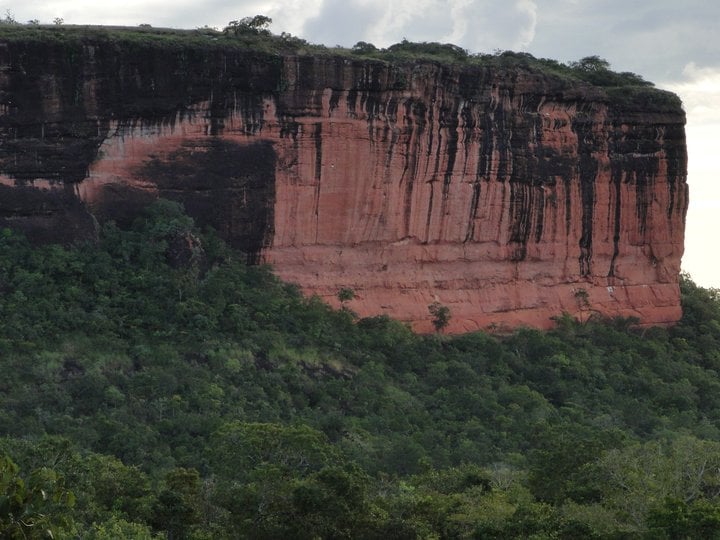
x=155, y=386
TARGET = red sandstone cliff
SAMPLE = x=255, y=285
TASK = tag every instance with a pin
x=506, y=194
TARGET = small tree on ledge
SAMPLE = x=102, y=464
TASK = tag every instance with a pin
x=440, y=314
x=345, y=295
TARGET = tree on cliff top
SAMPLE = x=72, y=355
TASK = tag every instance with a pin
x=597, y=71
x=591, y=63
x=257, y=25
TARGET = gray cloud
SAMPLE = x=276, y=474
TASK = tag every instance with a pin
x=341, y=22
x=474, y=24
x=656, y=39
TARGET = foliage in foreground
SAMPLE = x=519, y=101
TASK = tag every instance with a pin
x=149, y=391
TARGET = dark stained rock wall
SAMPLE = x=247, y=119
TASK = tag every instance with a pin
x=507, y=194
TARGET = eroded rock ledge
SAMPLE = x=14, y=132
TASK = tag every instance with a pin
x=507, y=194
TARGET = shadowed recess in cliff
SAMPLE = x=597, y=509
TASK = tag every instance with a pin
x=44, y=126
x=228, y=186
x=46, y=215
x=57, y=97
x=55, y=151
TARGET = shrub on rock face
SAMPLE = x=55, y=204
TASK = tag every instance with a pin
x=440, y=314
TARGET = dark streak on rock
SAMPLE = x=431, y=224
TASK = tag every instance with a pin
x=500, y=132
x=474, y=201
x=430, y=121
x=588, y=168
x=540, y=214
x=520, y=213
x=415, y=115
x=429, y=212
x=616, y=180
x=334, y=100
x=587, y=174
x=486, y=147
x=46, y=216
x=228, y=186
x=450, y=122
x=676, y=155
x=317, y=135
x=351, y=100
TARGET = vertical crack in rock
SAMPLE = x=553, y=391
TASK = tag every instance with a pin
x=470, y=229
x=433, y=179
x=317, y=136
x=502, y=136
x=587, y=175
x=430, y=112
x=391, y=142
x=415, y=118
x=450, y=123
x=617, y=170
x=520, y=219
x=487, y=147
x=643, y=181
x=351, y=102
x=616, y=181
x=429, y=212
x=540, y=214
x=468, y=127
x=334, y=100
x=391, y=109
x=567, y=189
x=676, y=156
x=393, y=138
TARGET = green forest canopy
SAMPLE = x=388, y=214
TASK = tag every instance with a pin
x=148, y=391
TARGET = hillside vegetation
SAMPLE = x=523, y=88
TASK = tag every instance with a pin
x=153, y=385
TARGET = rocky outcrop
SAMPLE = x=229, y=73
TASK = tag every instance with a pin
x=508, y=195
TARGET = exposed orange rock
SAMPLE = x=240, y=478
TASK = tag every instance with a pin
x=510, y=196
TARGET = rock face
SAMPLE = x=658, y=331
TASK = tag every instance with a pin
x=506, y=194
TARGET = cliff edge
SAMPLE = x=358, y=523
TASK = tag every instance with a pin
x=507, y=192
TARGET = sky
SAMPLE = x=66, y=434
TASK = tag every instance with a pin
x=675, y=44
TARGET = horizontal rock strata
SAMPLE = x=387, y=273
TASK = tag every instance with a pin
x=506, y=194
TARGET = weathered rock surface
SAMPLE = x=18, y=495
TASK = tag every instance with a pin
x=507, y=195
